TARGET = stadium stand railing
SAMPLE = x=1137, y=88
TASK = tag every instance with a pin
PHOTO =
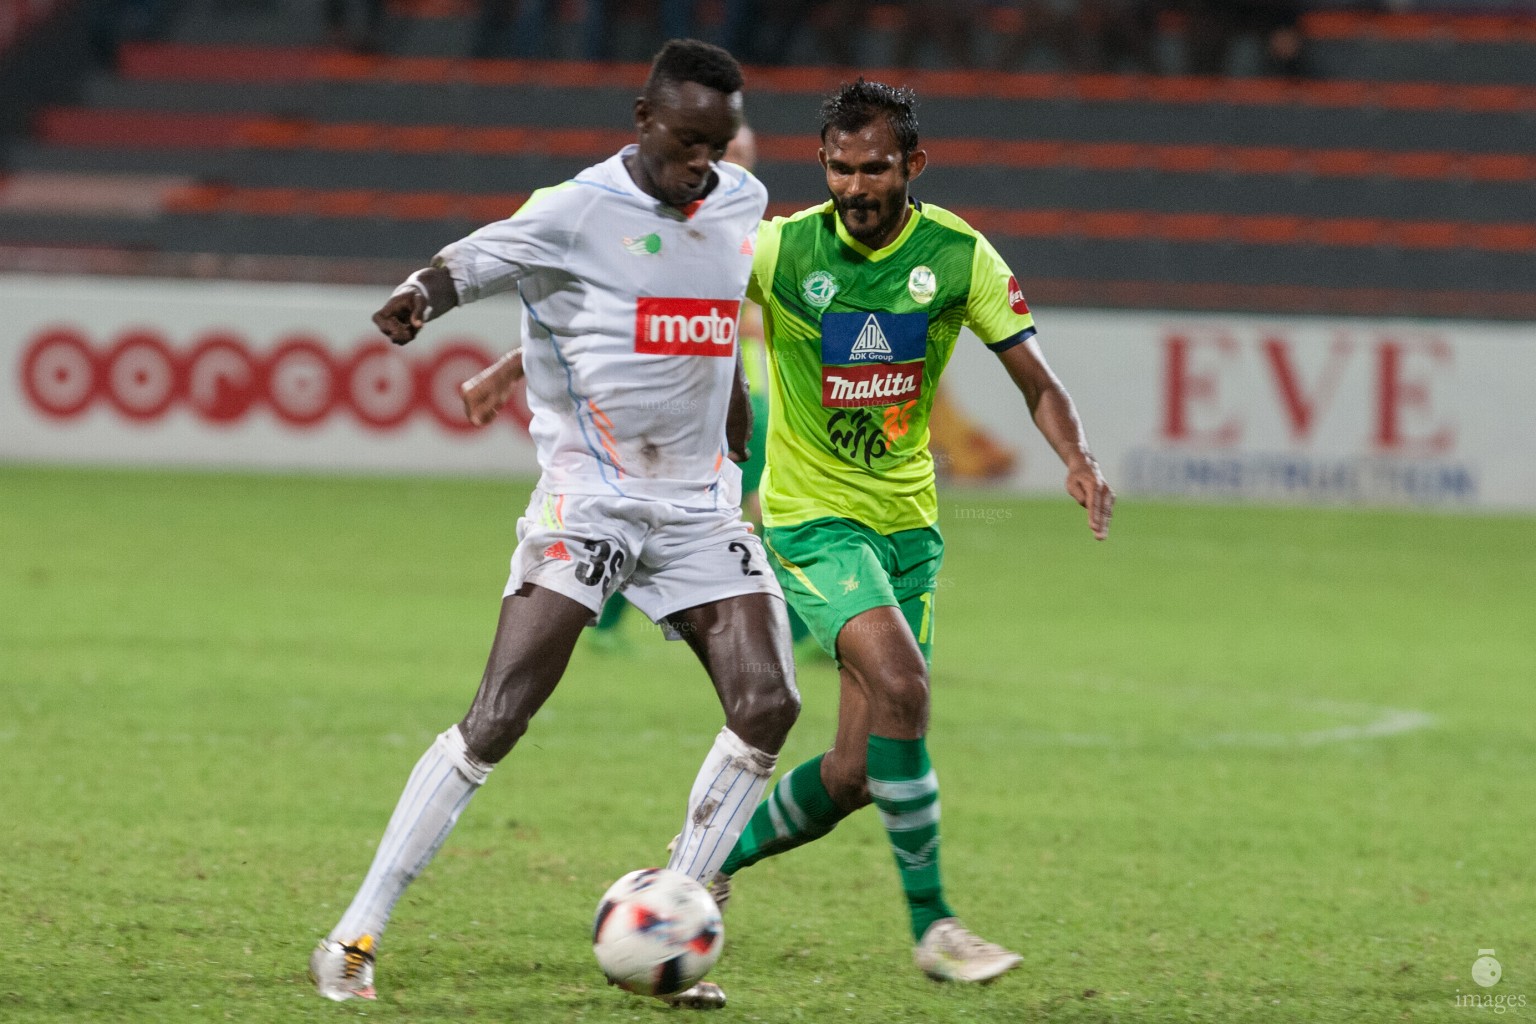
x=1358, y=195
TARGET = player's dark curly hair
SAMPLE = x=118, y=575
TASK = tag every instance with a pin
x=856, y=104
x=689, y=60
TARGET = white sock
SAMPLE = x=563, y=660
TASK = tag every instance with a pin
x=436, y=793
x=729, y=785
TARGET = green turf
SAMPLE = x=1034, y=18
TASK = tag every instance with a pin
x=1233, y=765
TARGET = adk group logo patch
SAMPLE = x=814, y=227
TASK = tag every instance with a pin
x=872, y=359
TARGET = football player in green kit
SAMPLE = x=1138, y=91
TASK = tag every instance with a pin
x=863, y=298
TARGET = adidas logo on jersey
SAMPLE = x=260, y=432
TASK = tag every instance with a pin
x=557, y=550
x=686, y=327
x=871, y=342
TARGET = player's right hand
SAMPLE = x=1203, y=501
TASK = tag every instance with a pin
x=400, y=318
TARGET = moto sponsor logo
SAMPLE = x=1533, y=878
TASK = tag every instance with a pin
x=686, y=327
x=849, y=387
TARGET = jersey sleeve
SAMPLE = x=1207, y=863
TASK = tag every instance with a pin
x=996, y=310
x=765, y=259
x=497, y=256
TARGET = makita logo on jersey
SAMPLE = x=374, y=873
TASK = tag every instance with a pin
x=686, y=327
x=875, y=384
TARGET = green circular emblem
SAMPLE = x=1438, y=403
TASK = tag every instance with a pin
x=922, y=285
x=818, y=288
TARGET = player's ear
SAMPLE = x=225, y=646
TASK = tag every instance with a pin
x=821, y=155
x=916, y=162
x=642, y=113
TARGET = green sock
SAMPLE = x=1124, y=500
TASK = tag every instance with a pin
x=906, y=791
x=798, y=630
x=612, y=610
x=797, y=811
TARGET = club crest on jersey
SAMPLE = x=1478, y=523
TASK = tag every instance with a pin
x=922, y=285
x=686, y=327
x=645, y=245
x=818, y=288
x=872, y=359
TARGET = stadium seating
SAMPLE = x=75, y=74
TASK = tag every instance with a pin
x=1405, y=187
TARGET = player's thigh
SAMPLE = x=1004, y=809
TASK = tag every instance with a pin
x=694, y=557
x=580, y=546
x=832, y=570
x=916, y=557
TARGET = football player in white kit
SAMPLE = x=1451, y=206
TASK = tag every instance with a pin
x=631, y=275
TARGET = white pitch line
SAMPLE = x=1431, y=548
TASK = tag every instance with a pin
x=1391, y=722
x=1380, y=723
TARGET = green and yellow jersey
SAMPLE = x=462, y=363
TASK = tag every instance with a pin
x=857, y=340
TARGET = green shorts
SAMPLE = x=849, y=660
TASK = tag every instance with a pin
x=833, y=569
x=757, y=446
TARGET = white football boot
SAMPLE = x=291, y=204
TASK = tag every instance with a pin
x=949, y=952
x=343, y=970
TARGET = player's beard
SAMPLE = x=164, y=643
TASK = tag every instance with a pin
x=884, y=223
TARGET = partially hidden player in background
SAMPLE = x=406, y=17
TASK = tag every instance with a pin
x=631, y=275
x=487, y=392
x=863, y=298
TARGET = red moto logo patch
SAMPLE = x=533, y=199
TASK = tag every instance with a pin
x=686, y=327
x=1016, y=297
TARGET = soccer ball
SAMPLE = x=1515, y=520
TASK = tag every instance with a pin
x=657, y=932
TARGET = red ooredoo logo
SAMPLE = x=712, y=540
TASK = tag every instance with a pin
x=221, y=379
x=686, y=327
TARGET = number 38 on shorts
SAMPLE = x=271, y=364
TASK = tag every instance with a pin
x=663, y=557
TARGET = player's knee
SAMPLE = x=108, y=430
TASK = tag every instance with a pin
x=491, y=739
x=905, y=695
x=500, y=714
x=846, y=780
x=762, y=705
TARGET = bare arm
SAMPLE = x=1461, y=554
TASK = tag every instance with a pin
x=738, y=417
x=426, y=295
x=487, y=391
x=1056, y=417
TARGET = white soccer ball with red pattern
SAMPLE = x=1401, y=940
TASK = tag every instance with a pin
x=657, y=932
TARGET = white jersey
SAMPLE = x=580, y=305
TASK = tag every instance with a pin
x=630, y=310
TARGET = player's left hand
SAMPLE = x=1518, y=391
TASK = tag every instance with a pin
x=1086, y=484
x=487, y=391
x=740, y=454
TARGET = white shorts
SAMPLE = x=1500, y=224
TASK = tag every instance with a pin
x=663, y=557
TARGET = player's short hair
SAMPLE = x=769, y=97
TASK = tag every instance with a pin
x=857, y=104
x=690, y=60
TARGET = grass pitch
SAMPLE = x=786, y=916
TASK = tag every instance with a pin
x=1233, y=765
